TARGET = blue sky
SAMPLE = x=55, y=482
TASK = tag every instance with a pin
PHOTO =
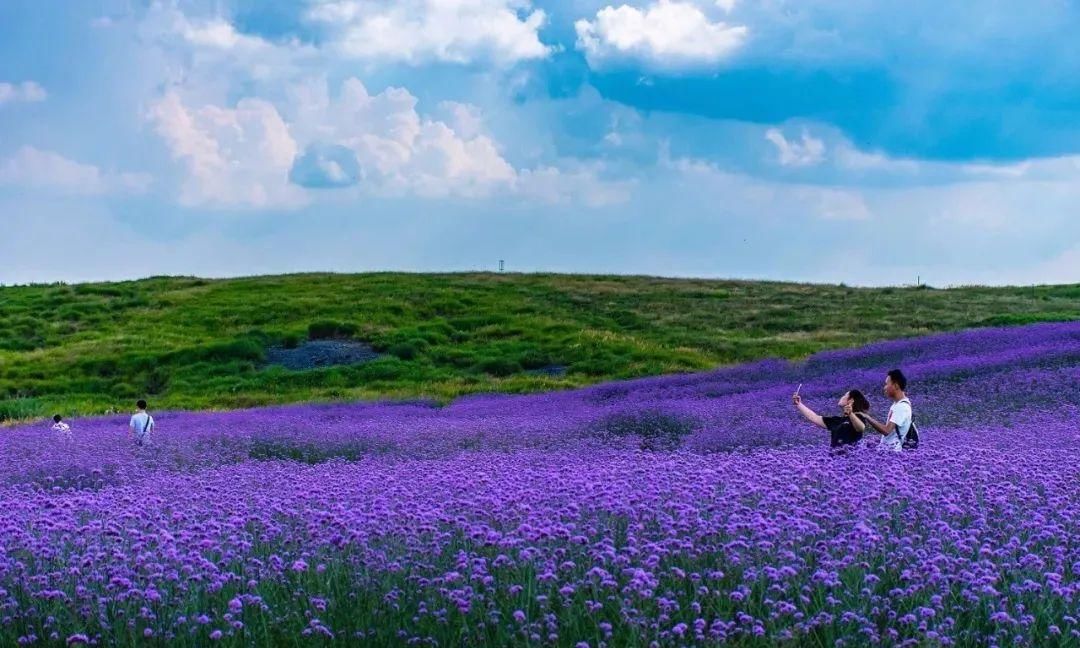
x=811, y=140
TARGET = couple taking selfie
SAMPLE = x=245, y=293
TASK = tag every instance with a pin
x=898, y=432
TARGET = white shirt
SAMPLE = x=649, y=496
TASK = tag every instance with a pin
x=900, y=414
x=62, y=428
x=141, y=423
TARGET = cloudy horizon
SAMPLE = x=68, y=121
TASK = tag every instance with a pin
x=814, y=141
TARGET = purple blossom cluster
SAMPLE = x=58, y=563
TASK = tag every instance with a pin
x=672, y=511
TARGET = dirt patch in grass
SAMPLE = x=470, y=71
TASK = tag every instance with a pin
x=321, y=353
x=553, y=370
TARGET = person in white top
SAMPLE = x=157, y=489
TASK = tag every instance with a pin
x=60, y=427
x=141, y=424
x=895, y=429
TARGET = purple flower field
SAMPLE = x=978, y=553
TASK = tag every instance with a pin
x=681, y=510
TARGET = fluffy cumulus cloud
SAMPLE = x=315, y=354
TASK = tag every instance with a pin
x=418, y=31
x=209, y=51
x=398, y=150
x=33, y=169
x=262, y=155
x=25, y=92
x=666, y=35
x=295, y=135
x=218, y=33
x=401, y=151
x=233, y=157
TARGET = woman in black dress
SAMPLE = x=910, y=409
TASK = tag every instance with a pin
x=846, y=429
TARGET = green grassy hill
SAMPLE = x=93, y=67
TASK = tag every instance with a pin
x=196, y=343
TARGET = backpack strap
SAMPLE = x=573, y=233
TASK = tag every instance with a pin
x=904, y=438
x=911, y=423
x=146, y=426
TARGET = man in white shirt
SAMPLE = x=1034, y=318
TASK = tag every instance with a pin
x=895, y=429
x=141, y=424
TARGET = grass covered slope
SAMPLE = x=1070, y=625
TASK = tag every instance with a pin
x=196, y=343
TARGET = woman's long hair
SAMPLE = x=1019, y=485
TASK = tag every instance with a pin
x=858, y=401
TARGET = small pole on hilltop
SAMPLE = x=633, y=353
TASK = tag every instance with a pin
x=500, y=265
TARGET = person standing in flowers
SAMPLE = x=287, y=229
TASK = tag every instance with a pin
x=895, y=429
x=843, y=430
x=141, y=423
x=61, y=428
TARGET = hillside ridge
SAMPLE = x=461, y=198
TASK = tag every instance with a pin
x=192, y=343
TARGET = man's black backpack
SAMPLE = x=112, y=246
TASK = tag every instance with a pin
x=911, y=441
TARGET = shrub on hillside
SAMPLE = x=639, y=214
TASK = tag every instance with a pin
x=103, y=367
x=15, y=409
x=537, y=360
x=244, y=349
x=498, y=367
x=409, y=349
x=329, y=329
x=125, y=390
x=391, y=368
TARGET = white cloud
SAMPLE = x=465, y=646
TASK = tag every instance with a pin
x=667, y=35
x=401, y=151
x=348, y=141
x=211, y=54
x=168, y=25
x=234, y=157
x=416, y=31
x=849, y=157
x=32, y=168
x=443, y=163
x=808, y=151
x=465, y=119
x=219, y=33
x=245, y=156
x=398, y=149
x=25, y=92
